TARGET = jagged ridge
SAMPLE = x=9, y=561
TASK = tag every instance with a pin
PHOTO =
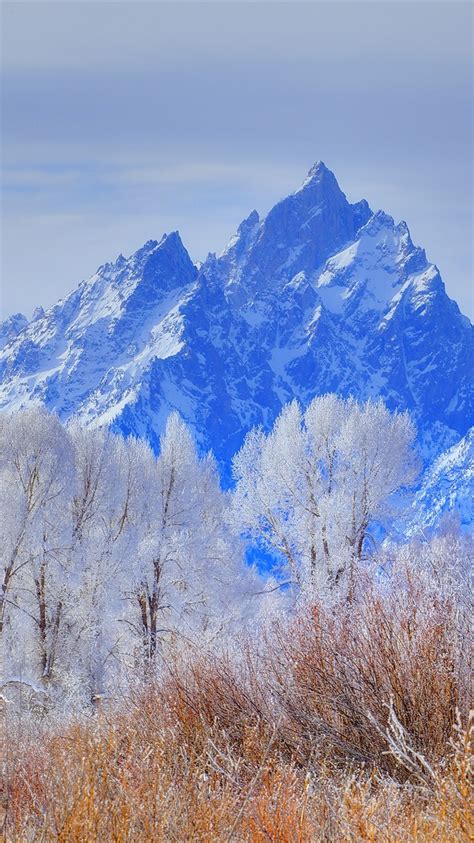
x=321, y=295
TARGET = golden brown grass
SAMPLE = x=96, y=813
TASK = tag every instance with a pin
x=121, y=781
x=341, y=726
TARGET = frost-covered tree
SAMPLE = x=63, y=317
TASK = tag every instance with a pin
x=36, y=471
x=110, y=554
x=186, y=569
x=316, y=487
x=36, y=485
x=102, y=543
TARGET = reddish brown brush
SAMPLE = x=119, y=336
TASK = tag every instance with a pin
x=343, y=725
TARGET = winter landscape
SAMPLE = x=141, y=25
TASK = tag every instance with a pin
x=236, y=521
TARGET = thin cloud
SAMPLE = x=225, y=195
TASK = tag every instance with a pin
x=124, y=120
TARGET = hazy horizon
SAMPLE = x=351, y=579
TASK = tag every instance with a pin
x=122, y=121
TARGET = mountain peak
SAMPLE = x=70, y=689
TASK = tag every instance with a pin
x=317, y=175
x=172, y=239
x=378, y=221
x=318, y=168
x=146, y=249
x=11, y=327
x=321, y=295
x=170, y=245
x=249, y=222
x=38, y=313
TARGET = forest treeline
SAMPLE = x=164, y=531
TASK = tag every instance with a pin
x=112, y=554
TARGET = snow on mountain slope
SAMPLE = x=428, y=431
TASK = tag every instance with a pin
x=88, y=352
x=447, y=488
x=11, y=327
x=320, y=295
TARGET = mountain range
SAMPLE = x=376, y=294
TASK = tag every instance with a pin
x=320, y=295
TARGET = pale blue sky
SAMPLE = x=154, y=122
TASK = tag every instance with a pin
x=125, y=120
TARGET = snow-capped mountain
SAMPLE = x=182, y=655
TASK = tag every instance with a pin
x=321, y=295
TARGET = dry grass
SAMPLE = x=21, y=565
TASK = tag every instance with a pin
x=346, y=726
x=407, y=648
